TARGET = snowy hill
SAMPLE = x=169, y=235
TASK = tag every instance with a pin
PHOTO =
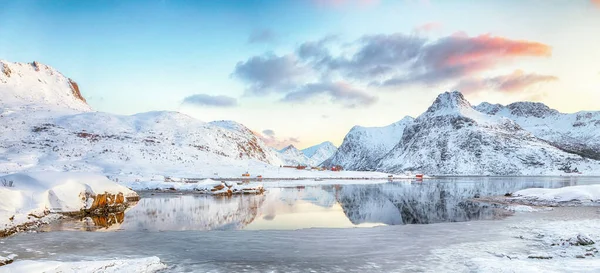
x=45, y=124
x=453, y=138
x=363, y=146
x=576, y=133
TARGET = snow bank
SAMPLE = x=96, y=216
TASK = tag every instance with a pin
x=27, y=197
x=585, y=193
x=207, y=186
x=150, y=264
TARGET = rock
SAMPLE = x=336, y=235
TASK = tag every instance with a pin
x=580, y=257
x=581, y=240
x=540, y=256
x=5, y=261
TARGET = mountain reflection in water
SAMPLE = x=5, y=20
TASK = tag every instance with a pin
x=331, y=206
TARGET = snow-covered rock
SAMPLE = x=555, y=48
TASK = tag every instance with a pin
x=26, y=197
x=451, y=137
x=576, y=133
x=363, y=146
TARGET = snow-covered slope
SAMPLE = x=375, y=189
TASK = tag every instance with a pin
x=320, y=152
x=453, y=138
x=363, y=146
x=577, y=133
x=45, y=124
x=35, y=84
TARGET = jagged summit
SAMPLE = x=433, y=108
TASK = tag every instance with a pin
x=448, y=102
x=38, y=85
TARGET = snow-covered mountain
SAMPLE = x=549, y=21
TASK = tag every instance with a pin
x=311, y=156
x=46, y=124
x=363, y=146
x=576, y=133
x=451, y=137
x=320, y=152
x=291, y=156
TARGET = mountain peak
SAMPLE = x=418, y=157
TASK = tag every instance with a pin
x=449, y=101
x=290, y=147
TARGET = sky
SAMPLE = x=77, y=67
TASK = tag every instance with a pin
x=303, y=72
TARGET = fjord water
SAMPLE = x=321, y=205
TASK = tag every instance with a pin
x=293, y=229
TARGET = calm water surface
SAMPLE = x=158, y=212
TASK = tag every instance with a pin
x=291, y=229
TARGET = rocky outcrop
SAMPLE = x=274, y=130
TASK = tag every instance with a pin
x=6, y=70
x=75, y=90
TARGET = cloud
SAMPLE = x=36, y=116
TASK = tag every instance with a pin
x=269, y=73
x=269, y=132
x=382, y=62
x=459, y=55
x=269, y=138
x=379, y=55
x=340, y=92
x=262, y=36
x=596, y=3
x=316, y=50
x=428, y=27
x=518, y=81
x=209, y=100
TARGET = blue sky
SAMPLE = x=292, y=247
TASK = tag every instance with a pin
x=366, y=62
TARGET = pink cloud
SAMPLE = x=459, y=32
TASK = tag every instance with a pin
x=518, y=81
x=483, y=48
x=596, y=2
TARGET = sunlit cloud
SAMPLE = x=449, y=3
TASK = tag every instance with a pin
x=268, y=137
x=518, y=81
x=351, y=77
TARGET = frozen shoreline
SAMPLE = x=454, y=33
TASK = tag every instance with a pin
x=149, y=264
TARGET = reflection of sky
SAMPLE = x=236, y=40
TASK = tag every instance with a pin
x=302, y=208
x=303, y=214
